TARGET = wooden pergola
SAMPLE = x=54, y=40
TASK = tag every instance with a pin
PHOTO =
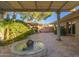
x=37, y=5
x=57, y=6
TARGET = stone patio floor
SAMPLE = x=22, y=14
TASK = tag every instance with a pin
x=68, y=47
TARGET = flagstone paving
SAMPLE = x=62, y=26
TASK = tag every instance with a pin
x=68, y=47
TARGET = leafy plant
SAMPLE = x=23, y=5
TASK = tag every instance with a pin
x=15, y=31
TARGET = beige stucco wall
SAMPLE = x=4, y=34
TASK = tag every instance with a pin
x=77, y=26
x=76, y=20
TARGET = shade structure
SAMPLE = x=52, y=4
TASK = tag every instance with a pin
x=37, y=5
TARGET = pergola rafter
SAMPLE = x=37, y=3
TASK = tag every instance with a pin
x=9, y=5
x=20, y=4
x=37, y=5
x=50, y=5
x=62, y=6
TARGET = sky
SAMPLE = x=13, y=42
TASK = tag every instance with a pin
x=52, y=18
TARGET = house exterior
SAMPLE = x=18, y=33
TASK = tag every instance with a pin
x=71, y=23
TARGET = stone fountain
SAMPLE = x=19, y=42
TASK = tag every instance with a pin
x=37, y=50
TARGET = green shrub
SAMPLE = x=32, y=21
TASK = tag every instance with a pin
x=62, y=31
x=17, y=30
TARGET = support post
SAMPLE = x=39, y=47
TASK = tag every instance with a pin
x=67, y=28
x=14, y=16
x=1, y=15
x=71, y=28
x=58, y=27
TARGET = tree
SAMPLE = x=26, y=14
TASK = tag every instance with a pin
x=23, y=17
x=35, y=15
x=41, y=15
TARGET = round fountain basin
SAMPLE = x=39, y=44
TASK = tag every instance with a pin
x=38, y=50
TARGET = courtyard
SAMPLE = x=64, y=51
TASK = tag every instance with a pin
x=39, y=29
x=68, y=47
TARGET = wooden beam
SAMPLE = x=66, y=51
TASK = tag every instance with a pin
x=3, y=5
x=44, y=10
x=73, y=7
x=20, y=4
x=62, y=6
x=12, y=8
x=50, y=5
x=36, y=5
x=9, y=6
